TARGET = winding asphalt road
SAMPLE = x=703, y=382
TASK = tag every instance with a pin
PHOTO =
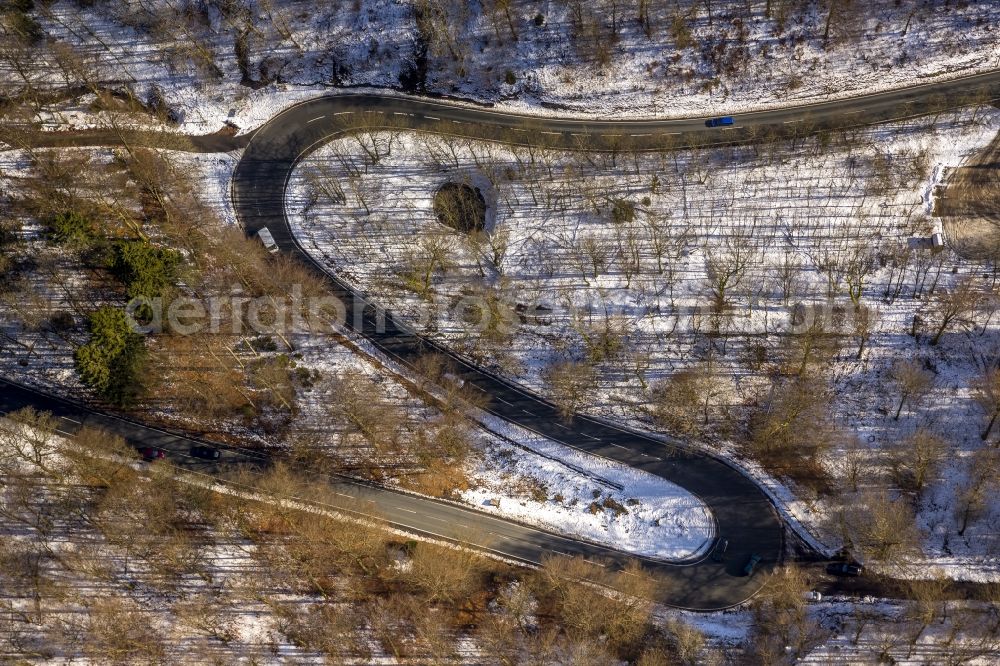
x=744, y=514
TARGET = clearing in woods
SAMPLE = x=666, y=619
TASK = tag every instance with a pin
x=969, y=205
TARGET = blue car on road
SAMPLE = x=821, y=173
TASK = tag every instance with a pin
x=724, y=121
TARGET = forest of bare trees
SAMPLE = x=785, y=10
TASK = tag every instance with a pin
x=55, y=54
x=128, y=563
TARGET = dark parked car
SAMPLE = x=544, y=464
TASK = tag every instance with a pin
x=751, y=565
x=724, y=121
x=149, y=454
x=205, y=452
x=845, y=569
x=719, y=552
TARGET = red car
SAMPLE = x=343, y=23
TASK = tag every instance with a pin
x=149, y=454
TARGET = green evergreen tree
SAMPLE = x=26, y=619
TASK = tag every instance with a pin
x=144, y=269
x=112, y=361
x=71, y=228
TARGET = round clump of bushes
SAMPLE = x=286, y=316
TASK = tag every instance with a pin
x=461, y=207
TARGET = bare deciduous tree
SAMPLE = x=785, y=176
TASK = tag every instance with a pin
x=727, y=266
x=431, y=256
x=912, y=383
x=982, y=472
x=444, y=574
x=986, y=391
x=570, y=382
x=915, y=459
x=793, y=427
x=684, y=401
x=881, y=527
x=781, y=623
x=954, y=307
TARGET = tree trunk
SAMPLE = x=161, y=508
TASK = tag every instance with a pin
x=829, y=19
x=510, y=23
x=989, y=426
x=940, y=331
x=965, y=518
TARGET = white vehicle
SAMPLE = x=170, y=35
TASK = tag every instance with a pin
x=267, y=240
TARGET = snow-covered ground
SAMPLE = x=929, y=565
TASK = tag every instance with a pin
x=730, y=58
x=805, y=212
x=631, y=510
x=520, y=475
x=842, y=630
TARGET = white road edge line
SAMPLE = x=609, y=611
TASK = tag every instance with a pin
x=315, y=119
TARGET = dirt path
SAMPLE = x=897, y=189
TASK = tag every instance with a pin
x=219, y=142
x=969, y=205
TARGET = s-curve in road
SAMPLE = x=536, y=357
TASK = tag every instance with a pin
x=743, y=512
